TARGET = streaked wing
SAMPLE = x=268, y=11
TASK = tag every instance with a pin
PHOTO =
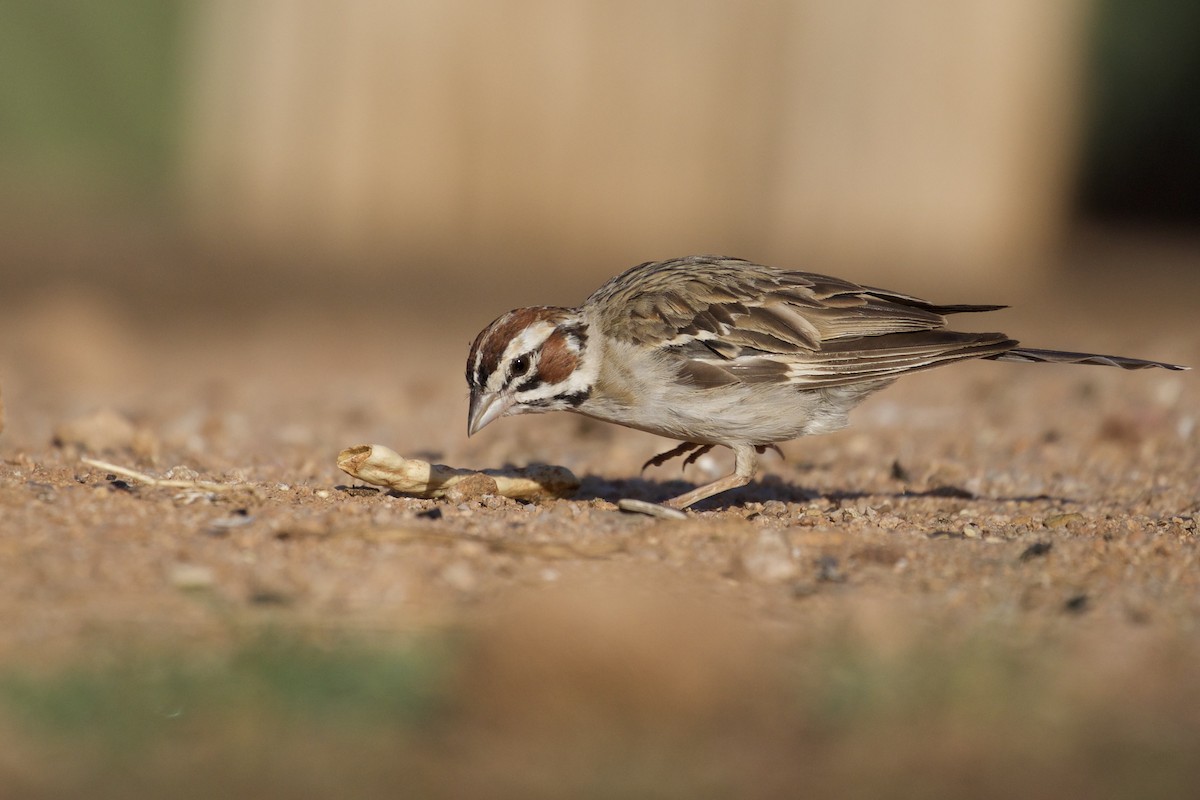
x=732, y=321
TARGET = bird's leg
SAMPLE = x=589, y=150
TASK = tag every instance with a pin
x=745, y=464
x=675, y=452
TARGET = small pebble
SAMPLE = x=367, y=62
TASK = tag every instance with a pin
x=945, y=534
x=767, y=559
x=1076, y=604
x=181, y=473
x=1035, y=550
x=829, y=571
x=191, y=576
x=234, y=520
x=101, y=430
x=471, y=549
x=303, y=529
x=270, y=597
x=774, y=508
x=804, y=589
x=472, y=487
x=460, y=576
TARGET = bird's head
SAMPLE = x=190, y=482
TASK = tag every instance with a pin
x=528, y=361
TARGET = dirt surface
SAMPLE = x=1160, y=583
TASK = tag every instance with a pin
x=1047, y=514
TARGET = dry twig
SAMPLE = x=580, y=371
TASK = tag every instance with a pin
x=166, y=483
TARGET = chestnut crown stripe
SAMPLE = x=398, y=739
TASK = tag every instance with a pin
x=487, y=352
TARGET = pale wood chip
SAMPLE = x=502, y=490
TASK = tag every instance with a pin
x=382, y=466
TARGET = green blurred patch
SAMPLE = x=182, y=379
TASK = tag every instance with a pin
x=284, y=715
x=89, y=91
x=1141, y=153
x=273, y=676
x=979, y=679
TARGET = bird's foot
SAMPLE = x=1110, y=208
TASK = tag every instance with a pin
x=694, y=448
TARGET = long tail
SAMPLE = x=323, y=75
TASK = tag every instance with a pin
x=1033, y=355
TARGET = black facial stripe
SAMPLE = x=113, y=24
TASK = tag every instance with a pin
x=576, y=399
x=534, y=381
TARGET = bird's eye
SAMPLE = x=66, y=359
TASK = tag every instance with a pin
x=520, y=366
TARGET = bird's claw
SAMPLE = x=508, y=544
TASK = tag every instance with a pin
x=681, y=449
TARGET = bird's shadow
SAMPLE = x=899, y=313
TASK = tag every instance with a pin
x=595, y=487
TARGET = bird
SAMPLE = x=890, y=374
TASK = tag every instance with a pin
x=720, y=351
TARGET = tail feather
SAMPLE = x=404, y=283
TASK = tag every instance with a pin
x=963, y=309
x=1034, y=355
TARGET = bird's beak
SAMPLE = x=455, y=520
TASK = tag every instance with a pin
x=485, y=407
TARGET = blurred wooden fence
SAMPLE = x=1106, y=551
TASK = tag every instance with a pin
x=874, y=136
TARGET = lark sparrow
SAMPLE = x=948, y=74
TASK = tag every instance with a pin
x=720, y=351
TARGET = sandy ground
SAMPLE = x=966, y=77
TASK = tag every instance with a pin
x=1045, y=511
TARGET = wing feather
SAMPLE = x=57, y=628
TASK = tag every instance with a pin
x=729, y=320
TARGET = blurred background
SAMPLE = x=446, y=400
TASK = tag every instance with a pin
x=237, y=236
x=534, y=147
x=259, y=231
